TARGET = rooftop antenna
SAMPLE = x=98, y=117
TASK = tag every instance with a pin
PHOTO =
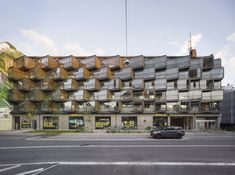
x=190, y=43
x=126, y=60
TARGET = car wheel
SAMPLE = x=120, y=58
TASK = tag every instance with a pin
x=179, y=136
x=158, y=136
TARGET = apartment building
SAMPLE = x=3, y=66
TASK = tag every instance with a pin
x=99, y=92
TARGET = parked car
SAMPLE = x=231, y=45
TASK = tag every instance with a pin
x=168, y=132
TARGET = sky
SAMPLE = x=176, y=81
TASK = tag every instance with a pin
x=88, y=27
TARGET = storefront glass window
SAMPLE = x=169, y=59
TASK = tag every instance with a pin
x=129, y=122
x=50, y=122
x=102, y=122
x=76, y=122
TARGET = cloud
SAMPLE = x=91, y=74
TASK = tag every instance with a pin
x=231, y=37
x=173, y=43
x=183, y=50
x=40, y=39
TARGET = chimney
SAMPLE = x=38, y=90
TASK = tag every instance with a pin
x=193, y=53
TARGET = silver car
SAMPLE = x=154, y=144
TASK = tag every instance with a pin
x=168, y=132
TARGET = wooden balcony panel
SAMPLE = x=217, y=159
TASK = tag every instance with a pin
x=113, y=63
x=92, y=62
x=15, y=74
x=59, y=74
x=70, y=62
x=24, y=63
x=37, y=74
x=60, y=95
x=27, y=107
x=37, y=95
x=49, y=107
x=48, y=85
x=70, y=85
x=104, y=74
x=82, y=74
x=25, y=85
x=48, y=63
x=15, y=95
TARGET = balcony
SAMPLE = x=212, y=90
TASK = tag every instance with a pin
x=136, y=62
x=24, y=63
x=59, y=74
x=103, y=95
x=37, y=95
x=160, y=84
x=15, y=74
x=181, y=62
x=81, y=95
x=48, y=63
x=147, y=74
x=114, y=62
x=82, y=74
x=25, y=85
x=149, y=95
x=37, y=74
x=113, y=85
x=89, y=107
x=70, y=107
x=48, y=85
x=138, y=96
x=157, y=62
x=70, y=85
x=25, y=107
x=92, y=85
x=160, y=107
x=208, y=62
x=149, y=107
x=92, y=62
x=172, y=73
x=210, y=107
x=103, y=74
x=70, y=62
x=109, y=107
x=15, y=95
x=130, y=107
x=125, y=95
x=49, y=107
x=125, y=74
x=137, y=84
x=60, y=95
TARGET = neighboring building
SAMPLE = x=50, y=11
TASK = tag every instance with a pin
x=228, y=108
x=5, y=116
x=100, y=92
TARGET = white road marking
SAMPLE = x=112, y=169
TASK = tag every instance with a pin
x=31, y=171
x=129, y=164
x=117, y=146
x=9, y=168
x=46, y=169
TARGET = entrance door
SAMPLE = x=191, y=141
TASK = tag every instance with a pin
x=17, y=123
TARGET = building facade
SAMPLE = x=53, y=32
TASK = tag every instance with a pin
x=5, y=116
x=102, y=92
x=228, y=108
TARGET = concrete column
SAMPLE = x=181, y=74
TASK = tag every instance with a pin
x=194, y=122
x=168, y=120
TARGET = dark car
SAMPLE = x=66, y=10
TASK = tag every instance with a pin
x=168, y=132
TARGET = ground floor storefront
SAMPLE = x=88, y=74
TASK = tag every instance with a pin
x=118, y=121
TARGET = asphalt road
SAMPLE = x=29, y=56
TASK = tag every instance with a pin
x=196, y=153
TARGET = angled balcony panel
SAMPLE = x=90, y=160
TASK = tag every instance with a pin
x=149, y=107
x=37, y=73
x=92, y=85
x=109, y=107
x=125, y=74
x=15, y=95
x=160, y=107
x=172, y=73
x=149, y=95
x=137, y=84
x=24, y=63
x=114, y=62
x=37, y=95
x=89, y=107
x=59, y=95
x=92, y=62
x=113, y=85
x=81, y=95
x=160, y=84
x=70, y=85
x=103, y=95
x=82, y=74
x=125, y=95
x=70, y=106
x=49, y=107
x=208, y=62
x=103, y=73
x=27, y=107
x=138, y=95
x=59, y=74
x=159, y=62
x=70, y=62
x=48, y=85
x=15, y=74
x=25, y=85
x=136, y=62
x=48, y=63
